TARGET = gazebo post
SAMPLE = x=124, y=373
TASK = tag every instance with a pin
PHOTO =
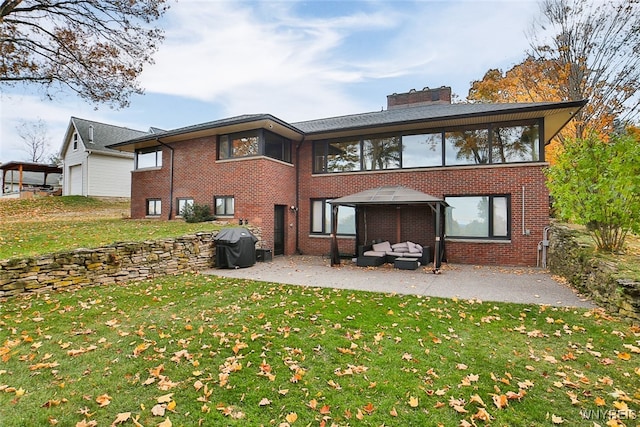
x=437, y=262
x=335, y=255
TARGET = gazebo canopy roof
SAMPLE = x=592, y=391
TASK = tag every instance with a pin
x=392, y=195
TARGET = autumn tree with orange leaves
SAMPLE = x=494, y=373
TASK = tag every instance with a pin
x=580, y=49
x=96, y=49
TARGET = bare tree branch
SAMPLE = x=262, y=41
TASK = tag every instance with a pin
x=96, y=48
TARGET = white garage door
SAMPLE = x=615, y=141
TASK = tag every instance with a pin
x=75, y=180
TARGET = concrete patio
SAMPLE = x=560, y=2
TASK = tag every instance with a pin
x=486, y=283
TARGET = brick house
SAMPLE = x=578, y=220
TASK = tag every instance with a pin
x=484, y=161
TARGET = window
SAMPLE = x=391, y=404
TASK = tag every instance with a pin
x=277, y=147
x=245, y=144
x=511, y=144
x=343, y=156
x=467, y=147
x=254, y=143
x=225, y=205
x=154, y=207
x=321, y=218
x=181, y=203
x=381, y=153
x=422, y=150
x=149, y=158
x=479, y=145
x=75, y=140
x=478, y=217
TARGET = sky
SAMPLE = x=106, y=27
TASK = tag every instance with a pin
x=297, y=60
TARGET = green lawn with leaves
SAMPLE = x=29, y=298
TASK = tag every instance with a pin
x=34, y=227
x=201, y=350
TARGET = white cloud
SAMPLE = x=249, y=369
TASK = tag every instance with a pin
x=299, y=60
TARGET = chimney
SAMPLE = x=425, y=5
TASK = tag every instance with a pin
x=426, y=96
x=91, y=134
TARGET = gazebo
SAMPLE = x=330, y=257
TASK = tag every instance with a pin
x=390, y=196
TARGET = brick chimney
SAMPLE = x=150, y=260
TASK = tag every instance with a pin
x=426, y=96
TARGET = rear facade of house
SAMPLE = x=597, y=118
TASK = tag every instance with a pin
x=485, y=161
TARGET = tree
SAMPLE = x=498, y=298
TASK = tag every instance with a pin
x=96, y=48
x=597, y=184
x=35, y=138
x=595, y=47
x=581, y=49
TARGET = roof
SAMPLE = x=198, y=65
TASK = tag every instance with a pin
x=103, y=135
x=216, y=127
x=392, y=195
x=31, y=167
x=441, y=115
x=398, y=119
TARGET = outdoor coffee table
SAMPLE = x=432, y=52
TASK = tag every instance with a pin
x=406, y=263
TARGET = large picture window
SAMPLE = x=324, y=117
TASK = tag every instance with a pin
x=225, y=205
x=149, y=158
x=321, y=218
x=478, y=217
x=488, y=144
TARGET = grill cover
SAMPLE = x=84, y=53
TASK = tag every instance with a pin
x=235, y=248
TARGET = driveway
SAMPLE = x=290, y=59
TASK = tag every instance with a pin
x=485, y=283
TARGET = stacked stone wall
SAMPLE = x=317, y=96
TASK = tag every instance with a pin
x=120, y=262
x=596, y=278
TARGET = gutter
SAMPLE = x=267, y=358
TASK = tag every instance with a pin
x=170, y=176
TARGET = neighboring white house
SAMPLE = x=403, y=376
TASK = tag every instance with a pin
x=91, y=169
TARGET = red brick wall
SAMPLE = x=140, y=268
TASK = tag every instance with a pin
x=257, y=184
x=260, y=183
x=439, y=182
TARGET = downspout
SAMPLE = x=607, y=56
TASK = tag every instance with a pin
x=170, y=176
x=298, y=194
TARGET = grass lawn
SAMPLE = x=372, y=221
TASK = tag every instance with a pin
x=194, y=350
x=200, y=350
x=45, y=225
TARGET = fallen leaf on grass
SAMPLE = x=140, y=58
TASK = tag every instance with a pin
x=264, y=402
x=158, y=410
x=103, y=400
x=500, y=401
x=122, y=417
x=556, y=419
x=291, y=417
x=413, y=402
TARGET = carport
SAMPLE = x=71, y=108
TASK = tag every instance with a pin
x=22, y=167
x=390, y=196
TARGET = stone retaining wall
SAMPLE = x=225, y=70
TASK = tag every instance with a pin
x=120, y=262
x=592, y=277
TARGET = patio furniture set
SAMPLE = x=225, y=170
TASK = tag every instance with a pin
x=403, y=255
